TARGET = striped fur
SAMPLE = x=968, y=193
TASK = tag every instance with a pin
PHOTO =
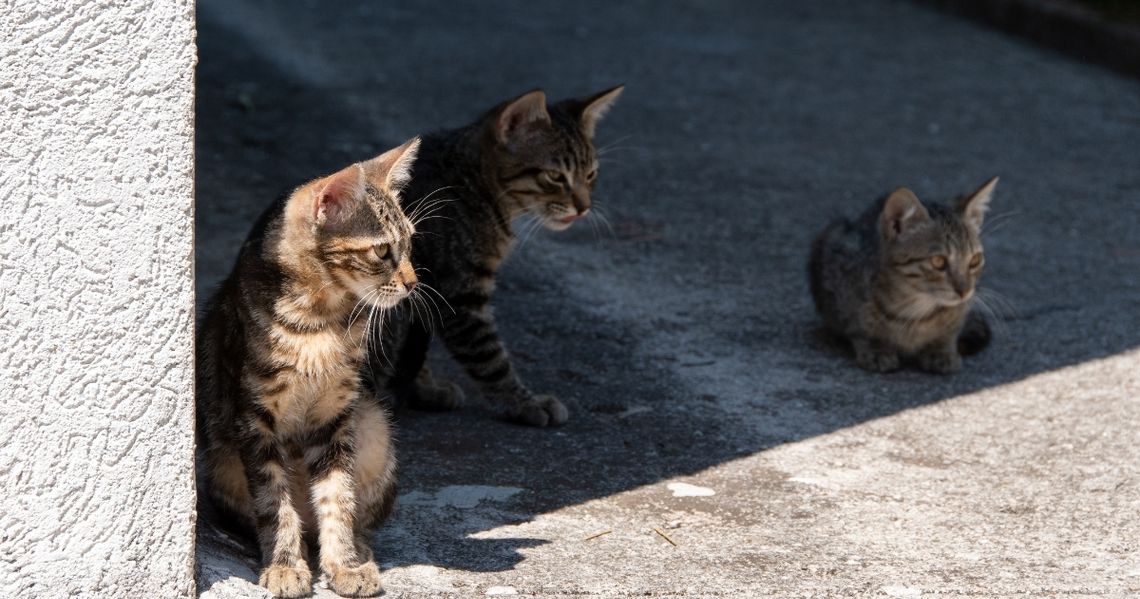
x=521, y=158
x=288, y=447
x=898, y=283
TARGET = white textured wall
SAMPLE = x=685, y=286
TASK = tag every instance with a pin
x=96, y=300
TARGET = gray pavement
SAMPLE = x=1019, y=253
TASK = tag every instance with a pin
x=685, y=344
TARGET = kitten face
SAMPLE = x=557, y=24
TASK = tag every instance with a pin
x=545, y=156
x=363, y=238
x=377, y=269
x=935, y=251
x=941, y=260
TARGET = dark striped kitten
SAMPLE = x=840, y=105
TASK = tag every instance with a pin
x=287, y=446
x=898, y=282
x=522, y=157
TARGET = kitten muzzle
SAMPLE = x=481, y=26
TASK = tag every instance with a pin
x=574, y=217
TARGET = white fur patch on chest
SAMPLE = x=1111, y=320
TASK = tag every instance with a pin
x=311, y=402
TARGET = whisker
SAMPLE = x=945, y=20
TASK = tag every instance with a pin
x=423, y=202
x=533, y=228
x=613, y=143
x=998, y=221
x=419, y=209
x=361, y=305
x=413, y=307
x=605, y=220
x=424, y=298
x=604, y=160
x=429, y=207
x=601, y=153
x=441, y=298
x=431, y=309
x=379, y=315
x=991, y=315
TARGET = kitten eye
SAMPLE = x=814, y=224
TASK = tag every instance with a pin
x=938, y=262
x=976, y=261
x=590, y=176
x=383, y=250
x=556, y=177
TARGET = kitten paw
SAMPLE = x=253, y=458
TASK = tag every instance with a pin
x=542, y=410
x=877, y=361
x=287, y=581
x=940, y=362
x=360, y=581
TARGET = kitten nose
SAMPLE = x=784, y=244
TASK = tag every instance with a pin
x=406, y=274
x=581, y=199
x=959, y=282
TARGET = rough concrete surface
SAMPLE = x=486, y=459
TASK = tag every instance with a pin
x=97, y=305
x=684, y=342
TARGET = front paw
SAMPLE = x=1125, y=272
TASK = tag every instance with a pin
x=876, y=360
x=940, y=362
x=542, y=410
x=287, y=581
x=359, y=581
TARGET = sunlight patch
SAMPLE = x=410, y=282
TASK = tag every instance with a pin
x=687, y=490
x=459, y=496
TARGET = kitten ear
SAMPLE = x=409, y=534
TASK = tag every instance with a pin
x=521, y=115
x=393, y=169
x=901, y=211
x=591, y=109
x=335, y=196
x=974, y=206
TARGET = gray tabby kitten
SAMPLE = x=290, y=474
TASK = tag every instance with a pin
x=524, y=157
x=898, y=283
x=288, y=449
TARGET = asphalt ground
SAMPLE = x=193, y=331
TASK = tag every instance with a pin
x=683, y=339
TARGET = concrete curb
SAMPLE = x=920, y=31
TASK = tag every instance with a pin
x=1058, y=24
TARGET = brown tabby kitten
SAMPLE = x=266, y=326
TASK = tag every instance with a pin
x=287, y=445
x=898, y=282
x=522, y=157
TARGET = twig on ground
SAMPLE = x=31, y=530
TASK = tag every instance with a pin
x=597, y=534
x=665, y=536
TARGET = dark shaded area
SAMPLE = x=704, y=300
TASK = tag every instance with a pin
x=686, y=338
x=1104, y=32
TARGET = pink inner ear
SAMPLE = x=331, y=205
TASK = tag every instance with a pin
x=517, y=125
x=511, y=125
x=514, y=121
x=896, y=226
x=338, y=195
x=522, y=114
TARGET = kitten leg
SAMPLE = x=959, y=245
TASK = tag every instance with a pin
x=875, y=355
x=227, y=489
x=375, y=467
x=470, y=336
x=435, y=394
x=414, y=383
x=941, y=357
x=374, y=472
x=285, y=572
x=330, y=456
